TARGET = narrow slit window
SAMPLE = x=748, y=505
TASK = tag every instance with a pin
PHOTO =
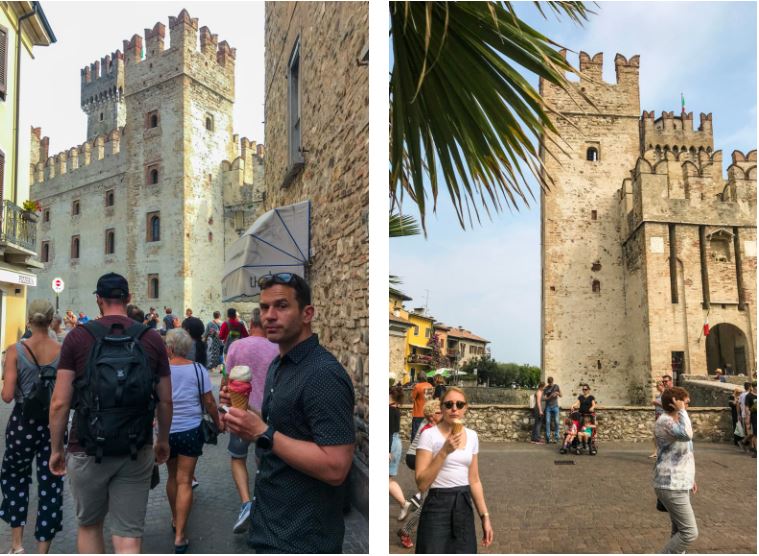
x=592, y=154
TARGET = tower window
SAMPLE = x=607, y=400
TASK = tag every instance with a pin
x=596, y=286
x=75, y=247
x=110, y=242
x=209, y=123
x=592, y=154
x=594, y=215
x=109, y=198
x=151, y=119
x=46, y=215
x=293, y=78
x=45, y=252
x=101, y=116
x=154, y=226
x=75, y=208
x=152, y=174
x=153, y=286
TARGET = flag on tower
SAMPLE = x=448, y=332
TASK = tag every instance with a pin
x=682, y=102
x=706, y=326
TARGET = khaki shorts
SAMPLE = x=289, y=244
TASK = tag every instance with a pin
x=117, y=486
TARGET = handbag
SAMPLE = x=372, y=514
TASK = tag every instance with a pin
x=739, y=430
x=661, y=507
x=208, y=429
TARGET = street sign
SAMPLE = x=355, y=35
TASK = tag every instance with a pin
x=58, y=285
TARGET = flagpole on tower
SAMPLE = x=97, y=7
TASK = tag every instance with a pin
x=682, y=102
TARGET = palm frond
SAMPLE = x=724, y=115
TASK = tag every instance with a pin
x=463, y=118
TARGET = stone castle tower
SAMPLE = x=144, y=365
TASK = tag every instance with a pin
x=161, y=185
x=644, y=241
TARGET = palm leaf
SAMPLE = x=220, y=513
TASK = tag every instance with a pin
x=463, y=118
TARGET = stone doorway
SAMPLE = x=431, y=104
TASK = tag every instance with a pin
x=726, y=349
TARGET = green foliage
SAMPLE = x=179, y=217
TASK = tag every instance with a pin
x=463, y=118
x=503, y=374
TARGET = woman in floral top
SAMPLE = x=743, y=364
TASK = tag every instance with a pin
x=675, y=470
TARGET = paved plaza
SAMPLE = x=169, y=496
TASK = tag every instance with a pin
x=214, y=511
x=604, y=504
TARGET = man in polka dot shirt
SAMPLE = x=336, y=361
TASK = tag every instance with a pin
x=305, y=433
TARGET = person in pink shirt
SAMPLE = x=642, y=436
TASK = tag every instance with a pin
x=256, y=353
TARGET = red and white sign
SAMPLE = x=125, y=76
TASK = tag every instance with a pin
x=58, y=285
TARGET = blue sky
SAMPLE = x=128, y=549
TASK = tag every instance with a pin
x=487, y=279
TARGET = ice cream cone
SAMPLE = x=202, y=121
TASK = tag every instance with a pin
x=239, y=401
x=458, y=426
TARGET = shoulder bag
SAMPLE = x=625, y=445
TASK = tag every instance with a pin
x=208, y=429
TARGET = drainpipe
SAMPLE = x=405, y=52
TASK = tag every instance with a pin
x=17, y=99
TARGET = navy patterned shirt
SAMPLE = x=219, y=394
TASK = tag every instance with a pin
x=308, y=395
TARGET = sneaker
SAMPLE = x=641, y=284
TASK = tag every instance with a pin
x=404, y=511
x=195, y=483
x=241, y=525
x=405, y=539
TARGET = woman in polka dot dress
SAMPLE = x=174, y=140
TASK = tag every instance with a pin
x=26, y=439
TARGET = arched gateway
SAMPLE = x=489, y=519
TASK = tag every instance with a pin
x=726, y=347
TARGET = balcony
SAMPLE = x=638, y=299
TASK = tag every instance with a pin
x=419, y=359
x=18, y=236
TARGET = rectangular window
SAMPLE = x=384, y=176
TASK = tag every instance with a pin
x=75, y=208
x=110, y=241
x=74, y=247
x=293, y=79
x=46, y=215
x=3, y=62
x=109, y=198
x=594, y=215
x=153, y=286
x=151, y=119
x=45, y=252
x=416, y=330
x=428, y=332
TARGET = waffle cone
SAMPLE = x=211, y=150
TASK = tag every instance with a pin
x=458, y=426
x=239, y=401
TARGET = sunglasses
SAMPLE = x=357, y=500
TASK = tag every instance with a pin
x=586, y=389
x=450, y=404
x=285, y=278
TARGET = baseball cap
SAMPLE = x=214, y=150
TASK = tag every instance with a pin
x=112, y=286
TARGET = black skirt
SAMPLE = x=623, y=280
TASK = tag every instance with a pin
x=446, y=525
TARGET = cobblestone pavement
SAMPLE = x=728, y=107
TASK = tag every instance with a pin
x=214, y=511
x=604, y=504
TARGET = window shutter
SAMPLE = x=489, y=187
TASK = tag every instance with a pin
x=3, y=61
x=2, y=175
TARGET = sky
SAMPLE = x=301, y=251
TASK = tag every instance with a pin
x=87, y=31
x=487, y=279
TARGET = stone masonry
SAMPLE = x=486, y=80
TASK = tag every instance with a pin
x=159, y=143
x=331, y=41
x=644, y=241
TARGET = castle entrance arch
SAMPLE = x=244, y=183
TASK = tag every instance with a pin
x=726, y=347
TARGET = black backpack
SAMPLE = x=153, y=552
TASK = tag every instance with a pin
x=116, y=396
x=37, y=404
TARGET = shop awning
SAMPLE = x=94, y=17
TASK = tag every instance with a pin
x=279, y=241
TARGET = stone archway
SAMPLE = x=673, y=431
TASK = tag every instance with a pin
x=726, y=346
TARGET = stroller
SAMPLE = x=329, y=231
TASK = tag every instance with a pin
x=576, y=446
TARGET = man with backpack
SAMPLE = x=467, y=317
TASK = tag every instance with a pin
x=232, y=330
x=118, y=372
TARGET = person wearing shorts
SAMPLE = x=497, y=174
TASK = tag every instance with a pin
x=118, y=485
x=191, y=391
x=257, y=353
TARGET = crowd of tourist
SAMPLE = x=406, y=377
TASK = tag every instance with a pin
x=141, y=394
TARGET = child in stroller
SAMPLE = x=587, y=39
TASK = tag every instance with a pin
x=580, y=433
x=570, y=432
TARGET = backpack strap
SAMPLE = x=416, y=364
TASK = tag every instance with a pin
x=32, y=354
x=136, y=330
x=97, y=331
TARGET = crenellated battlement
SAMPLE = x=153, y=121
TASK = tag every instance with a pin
x=44, y=169
x=619, y=98
x=103, y=80
x=676, y=133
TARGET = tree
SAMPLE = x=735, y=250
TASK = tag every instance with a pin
x=462, y=116
x=437, y=361
x=487, y=368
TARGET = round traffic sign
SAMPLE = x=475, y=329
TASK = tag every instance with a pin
x=58, y=285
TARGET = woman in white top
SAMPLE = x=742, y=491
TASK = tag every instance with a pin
x=446, y=464
x=190, y=387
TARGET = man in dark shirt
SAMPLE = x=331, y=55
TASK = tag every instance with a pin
x=118, y=486
x=305, y=434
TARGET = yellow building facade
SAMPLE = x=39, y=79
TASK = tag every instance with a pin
x=23, y=26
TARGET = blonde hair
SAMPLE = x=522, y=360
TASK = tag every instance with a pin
x=40, y=313
x=452, y=389
x=430, y=408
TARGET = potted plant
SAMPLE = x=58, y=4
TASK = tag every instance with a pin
x=30, y=209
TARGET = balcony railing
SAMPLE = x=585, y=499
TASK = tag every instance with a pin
x=419, y=358
x=16, y=229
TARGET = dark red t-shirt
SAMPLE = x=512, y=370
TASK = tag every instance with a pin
x=78, y=344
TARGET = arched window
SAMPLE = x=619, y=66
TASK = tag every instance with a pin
x=154, y=176
x=596, y=286
x=155, y=228
x=110, y=242
x=153, y=286
x=209, y=123
x=75, y=247
x=154, y=120
x=45, y=255
x=592, y=154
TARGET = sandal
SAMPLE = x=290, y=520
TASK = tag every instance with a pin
x=181, y=548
